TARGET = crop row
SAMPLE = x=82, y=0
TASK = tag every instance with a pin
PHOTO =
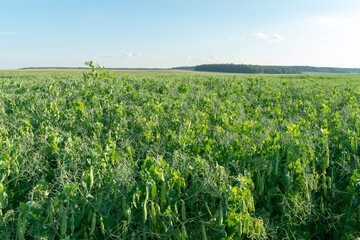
x=107, y=156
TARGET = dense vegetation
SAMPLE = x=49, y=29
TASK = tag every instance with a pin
x=246, y=68
x=179, y=156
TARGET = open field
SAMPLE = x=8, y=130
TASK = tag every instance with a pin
x=174, y=154
x=126, y=72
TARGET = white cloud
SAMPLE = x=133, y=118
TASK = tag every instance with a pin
x=210, y=59
x=188, y=57
x=269, y=38
x=330, y=22
x=231, y=39
x=131, y=55
x=213, y=56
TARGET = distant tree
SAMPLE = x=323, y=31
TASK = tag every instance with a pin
x=247, y=68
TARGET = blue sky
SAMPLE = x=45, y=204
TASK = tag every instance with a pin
x=159, y=33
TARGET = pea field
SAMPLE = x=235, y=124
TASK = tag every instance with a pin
x=187, y=155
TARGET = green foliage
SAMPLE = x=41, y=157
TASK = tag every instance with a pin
x=247, y=68
x=108, y=156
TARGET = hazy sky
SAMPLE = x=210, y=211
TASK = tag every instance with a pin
x=159, y=33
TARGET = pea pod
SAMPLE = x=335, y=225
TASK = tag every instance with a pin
x=52, y=212
x=163, y=194
x=324, y=185
x=124, y=207
x=72, y=227
x=208, y=209
x=93, y=224
x=240, y=227
x=243, y=206
x=183, y=211
x=329, y=182
x=277, y=165
x=183, y=233
x=21, y=227
x=176, y=208
x=144, y=213
x=153, y=191
x=270, y=167
x=203, y=232
x=102, y=227
x=147, y=188
x=63, y=227
x=221, y=217
x=257, y=228
x=129, y=214
x=247, y=225
x=153, y=214
x=91, y=175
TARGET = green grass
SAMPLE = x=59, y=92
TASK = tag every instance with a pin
x=178, y=155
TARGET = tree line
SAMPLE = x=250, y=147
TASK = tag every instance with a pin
x=247, y=68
